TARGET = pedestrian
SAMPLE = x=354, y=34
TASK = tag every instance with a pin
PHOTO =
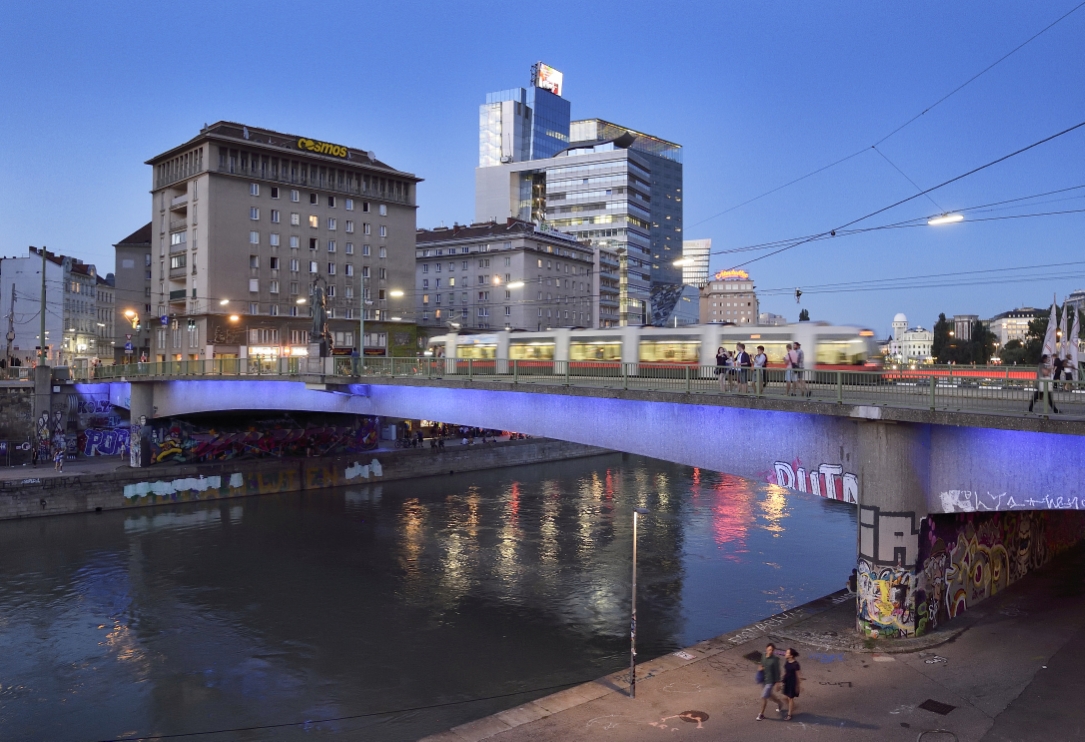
x=792, y=680
x=743, y=363
x=721, y=363
x=800, y=374
x=770, y=667
x=760, y=362
x=58, y=459
x=1044, y=380
x=1058, y=366
x=789, y=371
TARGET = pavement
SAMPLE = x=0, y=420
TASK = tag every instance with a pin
x=1006, y=672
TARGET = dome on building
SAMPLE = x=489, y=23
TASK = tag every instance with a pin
x=900, y=318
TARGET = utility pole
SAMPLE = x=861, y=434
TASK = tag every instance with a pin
x=42, y=357
x=11, y=326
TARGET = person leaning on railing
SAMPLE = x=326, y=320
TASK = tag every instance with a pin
x=1045, y=375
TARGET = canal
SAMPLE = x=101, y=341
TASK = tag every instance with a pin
x=396, y=610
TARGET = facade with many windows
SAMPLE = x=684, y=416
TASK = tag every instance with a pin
x=247, y=222
x=503, y=275
x=132, y=305
x=730, y=297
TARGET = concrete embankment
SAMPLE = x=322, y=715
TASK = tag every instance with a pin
x=35, y=495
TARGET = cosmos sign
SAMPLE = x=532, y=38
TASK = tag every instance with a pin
x=322, y=148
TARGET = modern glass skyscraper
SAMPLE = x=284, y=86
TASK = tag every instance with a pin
x=523, y=124
x=695, y=257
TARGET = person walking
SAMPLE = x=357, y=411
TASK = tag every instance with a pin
x=58, y=459
x=743, y=363
x=760, y=363
x=1044, y=380
x=770, y=666
x=792, y=680
x=800, y=374
x=789, y=370
x=721, y=367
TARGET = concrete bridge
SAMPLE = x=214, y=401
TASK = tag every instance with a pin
x=953, y=504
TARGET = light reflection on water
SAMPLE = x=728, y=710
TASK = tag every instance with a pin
x=388, y=596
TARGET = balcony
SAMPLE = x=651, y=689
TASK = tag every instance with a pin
x=177, y=295
x=181, y=202
x=178, y=224
x=177, y=274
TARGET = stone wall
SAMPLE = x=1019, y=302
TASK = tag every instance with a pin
x=129, y=488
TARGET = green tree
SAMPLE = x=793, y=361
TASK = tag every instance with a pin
x=1012, y=352
x=942, y=338
x=1034, y=340
x=982, y=344
x=804, y=315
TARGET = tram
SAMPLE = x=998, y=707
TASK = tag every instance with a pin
x=826, y=346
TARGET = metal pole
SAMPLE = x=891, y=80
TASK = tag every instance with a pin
x=41, y=311
x=633, y=619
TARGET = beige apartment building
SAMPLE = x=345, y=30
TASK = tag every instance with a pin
x=729, y=297
x=246, y=222
x=132, y=306
x=508, y=275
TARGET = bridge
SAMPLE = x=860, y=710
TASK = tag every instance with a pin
x=959, y=489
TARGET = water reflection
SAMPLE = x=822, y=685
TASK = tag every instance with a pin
x=387, y=596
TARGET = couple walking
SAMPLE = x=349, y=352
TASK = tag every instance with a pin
x=794, y=362
x=774, y=672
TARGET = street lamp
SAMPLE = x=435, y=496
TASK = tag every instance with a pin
x=935, y=221
x=633, y=619
x=515, y=285
x=223, y=302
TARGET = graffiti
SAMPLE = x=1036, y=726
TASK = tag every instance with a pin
x=43, y=435
x=683, y=655
x=841, y=684
x=886, y=600
x=827, y=480
x=176, y=486
x=824, y=658
x=135, y=444
x=182, y=441
x=103, y=441
x=966, y=558
x=757, y=629
x=969, y=501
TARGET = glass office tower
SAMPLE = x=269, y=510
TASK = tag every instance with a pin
x=521, y=124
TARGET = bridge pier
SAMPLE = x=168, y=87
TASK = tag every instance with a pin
x=140, y=412
x=894, y=474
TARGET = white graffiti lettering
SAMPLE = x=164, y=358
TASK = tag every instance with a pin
x=970, y=501
x=828, y=480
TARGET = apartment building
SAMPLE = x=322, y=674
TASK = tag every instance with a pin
x=132, y=315
x=729, y=298
x=247, y=222
x=504, y=275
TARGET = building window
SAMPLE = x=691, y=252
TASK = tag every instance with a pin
x=425, y=283
x=382, y=274
x=314, y=221
x=452, y=281
x=348, y=269
x=275, y=216
x=254, y=189
x=177, y=261
x=331, y=202
x=366, y=228
x=273, y=286
x=254, y=238
x=508, y=311
x=365, y=207
x=383, y=210
x=349, y=249
x=274, y=192
x=425, y=298
x=293, y=288
x=331, y=292
x=425, y=267
x=313, y=268
x=295, y=196
x=349, y=226
x=312, y=198
x=254, y=308
x=331, y=269
x=273, y=239
x=365, y=251
x=349, y=204
x=384, y=253
x=295, y=219
x=254, y=261
x=273, y=310
x=254, y=213
x=331, y=245
x=314, y=243
x=365, y=271
x=508, y=261
x=293, y=265
x=384, y=231
x=273, y=264
x=254, y=285
x=331, y=222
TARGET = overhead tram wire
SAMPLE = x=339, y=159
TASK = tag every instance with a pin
x=903, y=126
x=902, y=201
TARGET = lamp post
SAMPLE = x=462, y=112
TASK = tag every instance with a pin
x=633, y=619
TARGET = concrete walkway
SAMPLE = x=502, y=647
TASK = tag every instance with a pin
x=1010, y=671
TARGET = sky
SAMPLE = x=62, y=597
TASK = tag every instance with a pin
x=758, y=94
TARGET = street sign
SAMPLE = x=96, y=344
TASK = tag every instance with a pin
x=127, y=336
x=128, y=348
x=164, y=319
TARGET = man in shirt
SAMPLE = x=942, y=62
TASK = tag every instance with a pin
x=770, y=665
x=800, y=375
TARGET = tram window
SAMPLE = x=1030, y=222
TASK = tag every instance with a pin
x=595, y=351
x=669, y=351
x=531, y=351
x=840, y=352
x=476, y=351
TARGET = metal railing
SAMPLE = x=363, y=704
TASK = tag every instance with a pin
x=991, y=392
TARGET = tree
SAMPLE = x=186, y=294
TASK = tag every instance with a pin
x=1012, y=352
x=804, y=315
x=942, y=338
x=982, y=345
x=1034, y=340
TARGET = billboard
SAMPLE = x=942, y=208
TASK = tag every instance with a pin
x=548, y=78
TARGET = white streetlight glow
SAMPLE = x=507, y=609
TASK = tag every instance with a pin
x=515, y=285
x=945, y=219
x=224, y=302
x=682, y=261
x=301, y=300
x=395, y=294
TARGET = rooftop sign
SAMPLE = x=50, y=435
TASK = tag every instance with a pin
x=322, y=148
x=732, y=275
x=546, y=77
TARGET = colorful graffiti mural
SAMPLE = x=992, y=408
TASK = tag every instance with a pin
x=103, y=441
x=886, y=597
x=182, y=441
x=825, y=480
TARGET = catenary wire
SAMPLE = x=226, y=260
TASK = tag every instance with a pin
x=907, y=123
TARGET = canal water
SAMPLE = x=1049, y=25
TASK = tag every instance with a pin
x=395, y=610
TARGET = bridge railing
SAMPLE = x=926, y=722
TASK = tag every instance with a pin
x=967, y=390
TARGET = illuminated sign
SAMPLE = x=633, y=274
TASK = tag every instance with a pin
x=548, y=78
x=732, y=275
x=322, y=148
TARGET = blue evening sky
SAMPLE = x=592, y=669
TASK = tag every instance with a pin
x=757, y=93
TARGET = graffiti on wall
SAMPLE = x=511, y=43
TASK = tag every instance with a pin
x=177, y=440
x=825, y=480
x=966, y=558
x=103, y=441
x=886, y=600
x=970, y=501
